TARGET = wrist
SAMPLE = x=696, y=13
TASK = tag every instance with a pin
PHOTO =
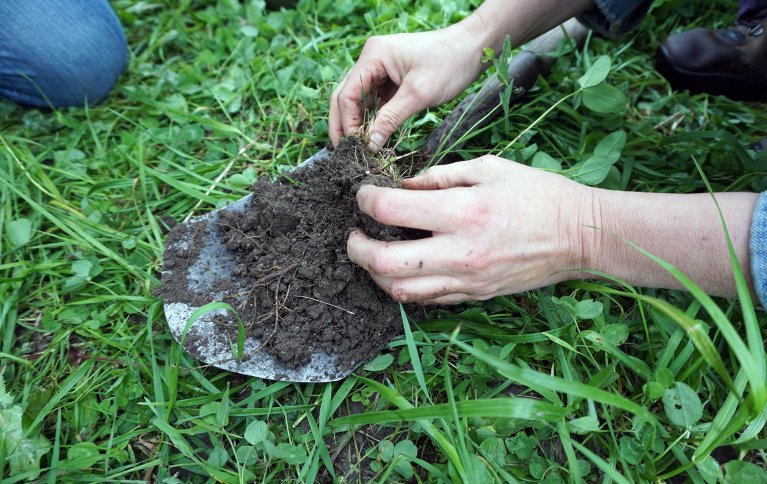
x=466, y=39
x=581, y=212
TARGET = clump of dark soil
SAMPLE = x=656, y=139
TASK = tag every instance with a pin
x=292, y=283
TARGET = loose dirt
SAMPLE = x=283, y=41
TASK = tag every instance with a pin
x=302, y=294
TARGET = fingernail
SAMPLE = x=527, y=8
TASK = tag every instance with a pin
x=376, y=142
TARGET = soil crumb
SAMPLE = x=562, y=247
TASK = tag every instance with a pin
x=292, y=282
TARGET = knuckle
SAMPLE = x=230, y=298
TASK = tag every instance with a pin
x=475, y=215
x=388, y=118
x=487, y=161
x=417, y=90
x=373, y=42
x=384, y=208
x=476, y=261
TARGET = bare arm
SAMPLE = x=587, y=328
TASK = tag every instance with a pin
x=500, y=227
x=520, y=20
x=684, y=230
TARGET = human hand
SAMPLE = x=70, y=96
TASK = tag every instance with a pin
x=403, y=74
x=498, y=227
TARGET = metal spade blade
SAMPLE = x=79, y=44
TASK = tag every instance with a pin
x=209, y=264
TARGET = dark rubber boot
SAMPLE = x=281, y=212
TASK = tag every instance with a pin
x=760, y=145
x=731, y=61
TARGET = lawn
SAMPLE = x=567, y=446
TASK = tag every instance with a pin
x=579, y=382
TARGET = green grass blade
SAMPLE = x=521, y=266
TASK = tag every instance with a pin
x=415, y=359
x=509, y=407
x=536, y=378
x=602, y=464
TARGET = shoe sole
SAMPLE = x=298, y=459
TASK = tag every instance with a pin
x=751, y=88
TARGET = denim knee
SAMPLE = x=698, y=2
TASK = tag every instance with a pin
x=56, y=53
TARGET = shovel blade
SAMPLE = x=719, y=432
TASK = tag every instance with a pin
x=198, y=282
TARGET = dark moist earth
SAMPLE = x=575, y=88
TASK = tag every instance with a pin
x=293, y=284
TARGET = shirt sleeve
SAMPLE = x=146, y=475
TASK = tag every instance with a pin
x=758, y=248
x=614, y=17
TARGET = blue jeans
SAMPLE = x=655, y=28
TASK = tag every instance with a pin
x=56, y=53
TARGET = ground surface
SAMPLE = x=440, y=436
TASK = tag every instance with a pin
x=555, y=384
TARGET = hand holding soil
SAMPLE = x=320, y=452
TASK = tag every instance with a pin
x=499, y=227
x=403, y=74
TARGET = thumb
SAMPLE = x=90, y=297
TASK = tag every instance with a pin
x=391, y=116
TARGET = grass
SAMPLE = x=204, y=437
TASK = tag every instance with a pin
x=579, y=382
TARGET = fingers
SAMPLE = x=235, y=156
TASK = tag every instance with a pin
x=400, y=258
x=434, y=211
x=460, y=174
x=335, y=128
x=402, y=104
x=347, y=108
x=413, y=270
x=425, y=290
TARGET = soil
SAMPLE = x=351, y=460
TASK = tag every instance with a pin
x=293, y=284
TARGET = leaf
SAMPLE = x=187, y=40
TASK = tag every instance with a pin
x=22, y=452
x=664, y=376
x=209, y=411
x=611, y=145
x=403, y=453
x=82, y=456
x=594, y=170
x=5, y=398
x=404, y=468
x=482, y=474
x=596, y=73
x=219, y=456
x=256, y=432
x=588, y=309
x=495, y=450
x=290, y=454
x=682, y=405
x=406, y=448
x=710, y=470
x=604, y=98
x=64, y=156
x=82, y=268
x=386, y=450
x=616, y=334
x=654, y=390
x=544, y=161
x=246, y=455
x=583, y=425
x=514, y=407
x=249, y=31
x=522, y=445
x=739, y=471
x=502, y=62
x=631, y=450
x=379, y=363
x=19, y=232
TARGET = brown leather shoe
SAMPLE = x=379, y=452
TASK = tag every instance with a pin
x=732, y=61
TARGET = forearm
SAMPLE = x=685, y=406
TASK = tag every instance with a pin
x=684, y=230
x=521, y=20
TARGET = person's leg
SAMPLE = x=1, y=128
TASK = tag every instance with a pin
x=56, y=53
x=749, y=8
